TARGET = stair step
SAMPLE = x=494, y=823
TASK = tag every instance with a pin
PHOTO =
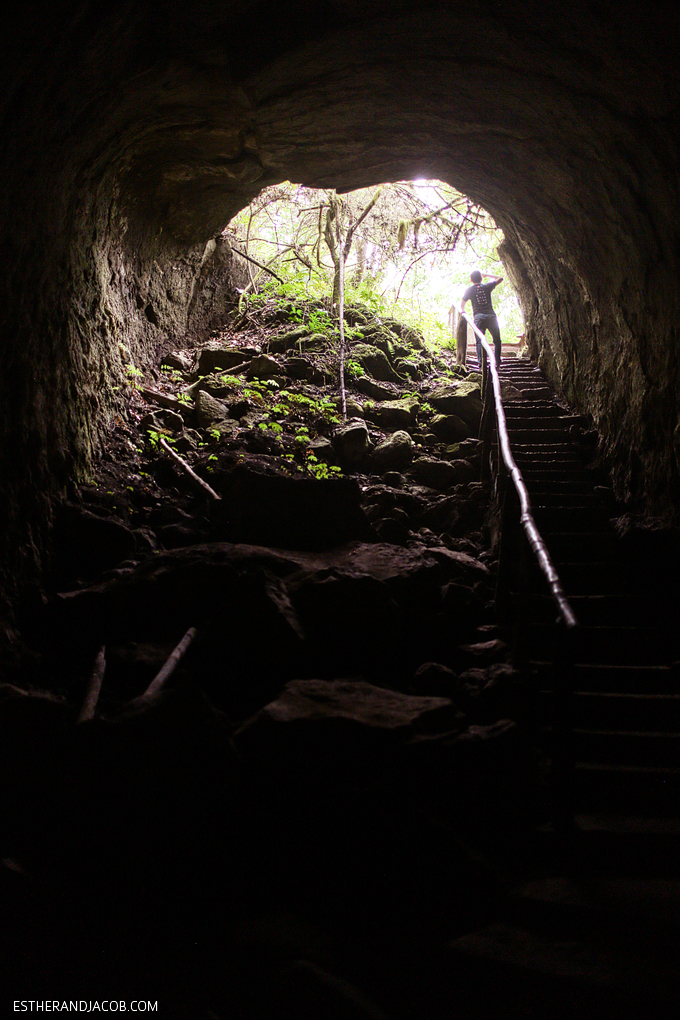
x=561, y=488
x=538, y=435
x=624, y=646
x=566, y=500
x=608, y=679
x=577, y=547
x=573, y=907
x=627, y=747
x=539, y=422
x=634, y=790
x=539, y=469
x=549, y=465
x=601, y=577
x=518, y=411
x=618, y=712
x=604, y=610
x=567, y=520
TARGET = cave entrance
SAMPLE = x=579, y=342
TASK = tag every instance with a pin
x=408, y=248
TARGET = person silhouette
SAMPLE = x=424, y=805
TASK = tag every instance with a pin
x=484, y=316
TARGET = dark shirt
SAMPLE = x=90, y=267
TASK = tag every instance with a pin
x=480, y=295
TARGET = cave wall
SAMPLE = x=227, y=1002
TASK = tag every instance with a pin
x=133, y=132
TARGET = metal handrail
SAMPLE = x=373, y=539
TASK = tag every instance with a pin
x=562, y=725
x=527, y=521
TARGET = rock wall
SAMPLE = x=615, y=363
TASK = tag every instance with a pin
x=132, y=133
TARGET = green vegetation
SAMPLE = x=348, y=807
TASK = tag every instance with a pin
x=353, y=368
x=155, y=438
x=319, y=468
x=408, y=249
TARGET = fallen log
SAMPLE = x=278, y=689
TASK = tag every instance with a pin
x=189, y=470
x=164, y=399
x=93, y=688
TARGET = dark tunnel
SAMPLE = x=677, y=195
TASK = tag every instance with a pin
x=133, y=132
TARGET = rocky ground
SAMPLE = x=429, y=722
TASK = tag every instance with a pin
x=337, y=776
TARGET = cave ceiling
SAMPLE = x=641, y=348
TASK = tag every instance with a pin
x=133, y=132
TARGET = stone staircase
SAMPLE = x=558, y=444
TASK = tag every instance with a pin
x=594, y=930
x=626, y=692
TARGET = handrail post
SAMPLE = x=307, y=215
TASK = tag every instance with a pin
x=486, y=428
x=507, y=553
x=563, y=764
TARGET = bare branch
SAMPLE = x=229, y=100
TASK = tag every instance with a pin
x=165, y=672
x=189, y=470
x=259, y=265
x=93, y=688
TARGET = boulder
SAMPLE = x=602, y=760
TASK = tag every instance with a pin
x=227, y=427
x=351, y=442
x=209, y=410
x=314, y=342
x=393, y=530
x=182, y=360
x=373, y=389
x=352, y=405
x=292, y=512
x=162, y=418
x=393, y=414
x=463, y=399
x=411, y=336
x=375, y=362
x=223, y=358
x=298, y=368
x=484, y=653
x=263, y=367
x=468, y=449
x=394, y=453
x=438, y=474
x=432, y=678
x=493, y=692
x=332, y=723
x=280, y=344
x=449, y=428
x=410, y=367
x=367, y=607
x=323, y=449
x=214, y=384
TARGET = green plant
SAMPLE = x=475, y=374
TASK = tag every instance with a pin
x=320, y=321
x=132, y=372
x=215, y=434
x=155, y=438
x=320, y=469
x=174, y=373
x=353, y=368
x=184, y=398
x=294, y=314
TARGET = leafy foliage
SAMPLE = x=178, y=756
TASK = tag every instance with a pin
x=413, y=245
